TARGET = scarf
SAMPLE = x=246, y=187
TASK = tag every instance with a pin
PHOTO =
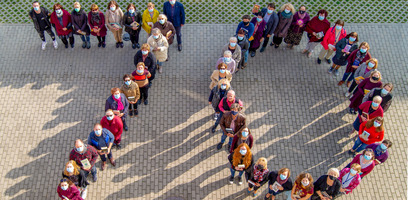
x=286, y=15
x=258, y=174
x=360, y=56
x=119, y=102
x=95, y=17
x=281, y=182
x=301, y=16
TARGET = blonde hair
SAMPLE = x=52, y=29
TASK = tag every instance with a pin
x=262, y=161
x=335, y=171
x=77, y=3
x=376, y=72
x=94, y=7
x=375, y=62
x=163, y=16
x=150, y=4
x=224, y=81
x=291, y=7
x=145, y=46
x=364, y=44
x=356, y=166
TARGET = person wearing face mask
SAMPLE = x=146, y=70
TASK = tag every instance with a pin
x=217, y=93
x=244, y=136
x=219, y=74
x=225, y=105
x=73, y=173
x=41, y=20
x=150, y=16
x=144, y=55
x=96, y=20
x=257, y=176
x=235, y=50
x=102, y=138
x=384, y=93
x=285, y=15
x=356, y=58
x=297, y=27
x=61, y=19
x=141, y=78
x=86, y=154
x=114, y=124
x=244, y=45
x=159, y=46
x=227, y=59
x=132, y=20
x=271, y=19
x=80, y=25
x=327, y=187
x=119, y=104
x=257, y=36
x=349, y=178
x=363, y=71
x=132, y=93
x=363, y=88
x=279, y=181
x=114, y=22
x=316, y=29
x=247, y=27
x=68, y=191
x=365, y=160
x=366, y=111
x=343, y=49
x=166, y=28
x=174, y=10
x=380, y=151
x=303, y=187
x=234, y=121
x=330, y=39
x=371, y=131
x=241, y=160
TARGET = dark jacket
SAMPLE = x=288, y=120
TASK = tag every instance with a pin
x=271, y=24
x=89, y=153
x=340, y=58
x=283, y=26
x=321, y=185
x=273, y=176
x=244, y=44
x=249, y=175
x=111, y=104
x=150, y=61
x=226, y=119
x=101, y=141
x=179, y=15
x=249, y=141
x=100, y=25
x=45, y=12
x=352, y=57
x=216, y=95
x=81, y=178
x=127, y=20
x=165, y=28
x=80, y=22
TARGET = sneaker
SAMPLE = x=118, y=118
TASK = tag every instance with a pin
x=305, y=51
x=121, y=44
x=103, y=44
x=319, y=61
x=215, y=116
x=146, y=102
x=253, y=54
x=95, y=178
x=309, y=54
x=134, y=46
x=347, y=94
x=43, y=45
x=239, y=180
x=262, y=49
x=231, y=180
x=328, y=61
x=84, y=193
x=88, y=45
x=336, y=72
x=137, y=45
x=55, y=43
x=83, y=45
x=330, y=70
x=219, y=146
x=99, y=44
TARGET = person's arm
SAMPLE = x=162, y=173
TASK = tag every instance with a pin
x=75, y=192
x=286, y=28
x=125, y=22
x=119, y=124
x=275, y=24
x=387, y=105
x=222, y=123
x=360, y=86
x=369, y=169
x=94, y=155
x=126, y=106
x=234, y=141
x=139, y=19
x=111, y=140
x=137, y=91
x=238, y=58
x=240, y=103
x=210, y=98
x=243, y=125
x=107, y=105
x=84, y=25
x=214, y=77
x=238, y=28
x=368, y=95
x=233, y=66
x=182, y=14
x=107, y=20
x=251, y=141
x=264, y=179
x=361, y=129
x=89, y=20
x=251, y=28
x=165, y=9
x=228, y=76
x=121, y=17
x=220, y=105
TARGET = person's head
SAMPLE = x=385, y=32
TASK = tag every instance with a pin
x=368, y=154
x=246, y=19
x=305, y=180
x=353, y=37
x=287, y=8
x=241, y=34
x=71, y=168
x=322, y=14
x=261, y=164
x=115, y=92
x=377, y=122
x=372, y=63
x=231, y=95
x=109, y=114
x=233, y=42
x=79, y=145
x=94, y=8
x=127, y=79
x=57, y=6
x=387, y=88
x=172, y=2
x=387, y=143
x=222, y=66
x=302, y=9
x=131, y=8
x=64, y=184
x=77, y=6
x=364, y=47
x=150, y=7
x=224, y=84
x=162, y=18
x=333, y=173
x=284, y=173
x=36, y=6
x=242, y=150
x=376, y=102
x=227, y=56
x=140, y=67
x=156, y=33
x=375, y=76
x=259, y=17
x=145, y=48
x=97, y=129
x=244, y=134
x=272, y=7
x=339, y=24
x=112, y=5
x=355, y=168
x=235, y=108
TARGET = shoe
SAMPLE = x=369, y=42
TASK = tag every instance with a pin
x=118, y=146
x=131, y=113
x=88, y=45
x=354, y=112
x=139, y=102
x=290, y=46
x=83, y=45
x=137, y=45
x=99, y=44
x=103, y=44
x=134, y=46
x=348, y=83
x=72, y=45
x=55, y=43
x=267, y=198
x=350, y=152
x=309, y=54
x=231, y=180
x=103, y=166
x=340, y=83
x=351, y=110
x=228, y=147
x=146, y=102
x=319, y=61
x=271, y=44
x=351, y=132
x=160, y=70
x=253, y=54
x=126, y=128
x=43, y=45
x=213, y=129
x=135, y=112
x=304, y=51
x=262, y=49
x=66, y=46
x=121, y=44
x=328, y=61
x=219, y=146
x=179, y=47
x=112, y=161
x=95, y=178
x=150, y=84
x=243, y=66
x=254, y=194
x=347, y=94
x=276, y=46
x=216, y=116
x=336, y=72
x=239, y=180
x=249, y=191
x=117, y=44
x=330, y=70
x=84, y=193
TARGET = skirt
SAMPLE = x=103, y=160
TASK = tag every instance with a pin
x=293, y=38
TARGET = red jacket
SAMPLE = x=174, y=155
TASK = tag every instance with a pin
x=66, y=20
x=330, y=37
x=100, y=25
x=364, y=171
x=315, y=25
x=71, y=193
x=374, y=135
x=365, y=107
x=352, y=57
x=115, y=126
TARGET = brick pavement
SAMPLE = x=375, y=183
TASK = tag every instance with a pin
x=295, y=109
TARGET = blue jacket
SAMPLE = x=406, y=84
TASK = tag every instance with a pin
x=248, y=29
x=111, y=104
x=101, y=141
x=271, y=24
x=179, y=15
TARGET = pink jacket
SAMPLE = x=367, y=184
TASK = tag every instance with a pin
x=353, y=184
x=330, y=37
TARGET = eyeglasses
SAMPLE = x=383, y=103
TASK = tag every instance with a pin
x=109, y=115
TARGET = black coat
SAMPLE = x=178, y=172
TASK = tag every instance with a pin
x=34, y=18
x=80, y=22
x=273, y=176
x=82, y=182
x=150, y=61
x=127, y=20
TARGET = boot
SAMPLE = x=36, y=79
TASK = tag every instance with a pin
x=103, y=166
x=112, y=161
x=340, y=83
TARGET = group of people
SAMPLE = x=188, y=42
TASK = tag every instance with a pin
x=369, y=97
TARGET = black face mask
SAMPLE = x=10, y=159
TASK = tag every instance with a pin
x=375, y=78
x=260, y=167
x=302, y=11
x=246, y=23
x=331, y=177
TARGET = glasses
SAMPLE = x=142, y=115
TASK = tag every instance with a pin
x=109, y=115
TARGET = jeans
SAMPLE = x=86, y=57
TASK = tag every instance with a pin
x=218, y=120
x=178, y=33
x=311, y=46
x=359, y=145
x=224, y=137
x=346, y=74
x=85, y=38
x=93, y=172
x=49, y=31
x=103, y=157
x=132, y=106
x=356, y=124
x=233, y=172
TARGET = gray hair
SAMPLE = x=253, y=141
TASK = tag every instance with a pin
x=156, y=30
x=334, y=171
x=227, y=53
x=377, y=98
x=233, y=39
x=163, y=16
x=232, y=92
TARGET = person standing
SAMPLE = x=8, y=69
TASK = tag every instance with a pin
x=241, y=160
x=247, y=27
x=257, y=176
x=174, y=11
x=235, y=50
x=67, y=190
x=85, y=154
x=350, y=178
x=141, y=77
x=166, y=28
x=119, y=104
x=149, y=17
x=132, y=93
x=298, y=26
x=114, y=21
x=374, y=81
x=380, y=151
x=225, y=105
x=114, y=124
x=384, y=93
x=73, y=173
x=279, y=181
x=102, y=139
x=257, y=36
x=80, y=25
x=63, y=25
x=243, y=42
x=272, y=20
x=327, y=186
x=343, y=49
x=41, y=20
x=355, y=59
x=285, y=15
x=232, y=123
x=316, y=29
x=366, y=111
x=217, y=93
x=145, y=56
x=132, y=21
x=330, y=39
x=371, y=131
x=244, y=136
x=96, y=20
x=159, y=46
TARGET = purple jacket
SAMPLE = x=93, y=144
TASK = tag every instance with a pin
x=380, y=156
x=258, y=33
x=298, y=25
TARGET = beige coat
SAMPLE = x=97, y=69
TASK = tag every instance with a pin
x=131, y=91
x=116, y=17
x=162, y=44
x=215, y=77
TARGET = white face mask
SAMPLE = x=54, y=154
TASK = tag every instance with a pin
x=65, y=187
x=70, y=169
